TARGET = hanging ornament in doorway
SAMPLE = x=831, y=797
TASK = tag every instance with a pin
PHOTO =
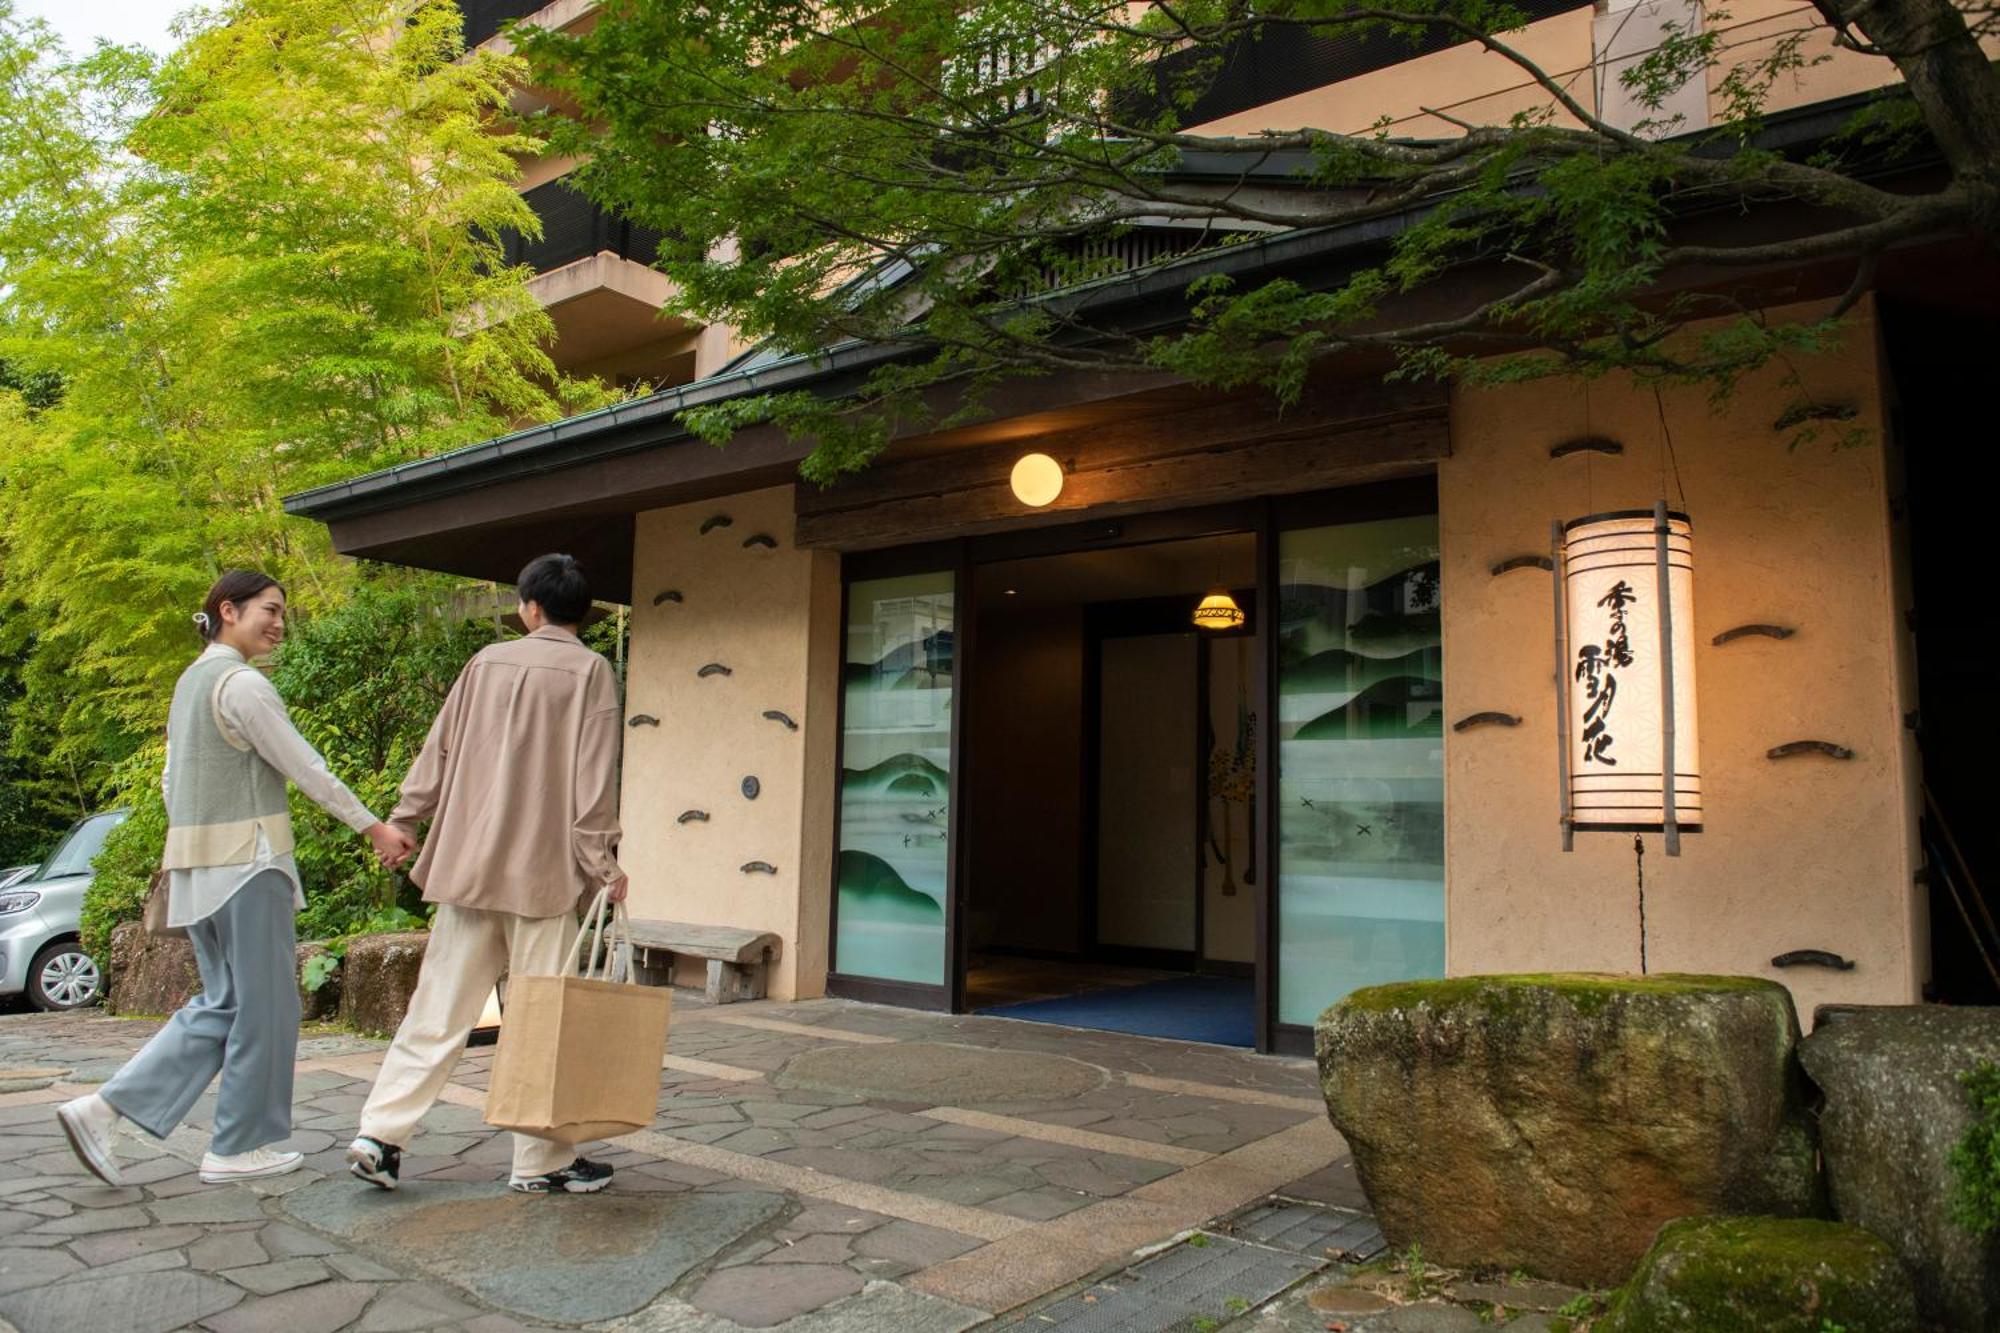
x=1218, y=610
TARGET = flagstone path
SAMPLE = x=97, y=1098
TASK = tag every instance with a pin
x=821, y=1166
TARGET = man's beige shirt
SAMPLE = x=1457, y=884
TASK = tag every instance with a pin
x=519, y=778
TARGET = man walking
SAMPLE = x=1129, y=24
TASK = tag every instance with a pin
x=519, y=780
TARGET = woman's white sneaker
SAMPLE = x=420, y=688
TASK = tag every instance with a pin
x=88, y=1122
x=219, y=1170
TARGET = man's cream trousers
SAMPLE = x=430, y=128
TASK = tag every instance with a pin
x=467, y=952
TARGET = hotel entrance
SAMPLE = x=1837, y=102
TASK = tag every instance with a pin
x=1063, y=800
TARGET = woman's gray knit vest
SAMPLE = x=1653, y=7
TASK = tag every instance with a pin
x=219, y=791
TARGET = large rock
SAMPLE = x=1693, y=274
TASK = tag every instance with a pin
x=1775, y=1275
x=150, y=974
x=156, y=974
x=377, y=978
x=1894, y=1111
x=1553, y=1122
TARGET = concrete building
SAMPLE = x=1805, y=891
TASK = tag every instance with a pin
x=964, y=751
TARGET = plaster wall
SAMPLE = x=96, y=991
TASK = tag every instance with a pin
x=773, y=618
x=1808, y=852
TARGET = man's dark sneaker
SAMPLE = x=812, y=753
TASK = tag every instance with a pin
x=375, y=1162
x=580, y=1177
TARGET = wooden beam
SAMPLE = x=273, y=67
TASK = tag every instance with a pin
x=1227, y=451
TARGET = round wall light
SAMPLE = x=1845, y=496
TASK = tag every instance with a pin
x=1037, y=480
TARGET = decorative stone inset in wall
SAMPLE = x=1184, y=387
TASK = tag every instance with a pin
x=782, y=718
x=1791, y=748
x=715, y=521
x=668, y=595
x=1814, y=958
x=1486, y=719
x=1798, y=414
x=643, y=720
x=763, y=539
x=1745, y=631
x=751, y=787
x=1587, y=444
x=758, y=868
x=714, y=669
x=691, y=817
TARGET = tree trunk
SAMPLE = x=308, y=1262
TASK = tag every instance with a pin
x=1956, y=88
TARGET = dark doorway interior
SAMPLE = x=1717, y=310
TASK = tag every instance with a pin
x=1109, y=863
x=1941, y=360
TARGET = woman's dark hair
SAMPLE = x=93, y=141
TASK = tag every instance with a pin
x=557, y=585
x=236, y=587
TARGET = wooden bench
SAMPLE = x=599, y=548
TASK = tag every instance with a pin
x=737, y=959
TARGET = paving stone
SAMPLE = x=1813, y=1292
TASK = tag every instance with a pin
x=31, y=1268
x=318, y=1309
x=285, y=1274
x=762, y=1295
x=113, y=1246
x=217, y=1204
x=99, y=1196
x=570, y=1258
x=154, y=1170
x=913, y=1243
x=288, y=1242
x=834, y=1218
x=748, y=1254
x=157, y=1262
x=359, y=1269
x=1036, y=1205
x=820, y=1249
x=48, y=1208
x=234, y=1249
x=1428, y=1317
x=90, y=1221
x=414, y=1305
x=131, y=1303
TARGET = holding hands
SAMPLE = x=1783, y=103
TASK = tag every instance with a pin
x=392, y=845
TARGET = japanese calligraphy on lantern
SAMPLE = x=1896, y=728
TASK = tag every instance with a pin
x=1615, y=677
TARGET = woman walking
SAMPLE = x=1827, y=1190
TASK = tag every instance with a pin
x=232, y=883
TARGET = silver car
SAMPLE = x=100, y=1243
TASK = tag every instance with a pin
x=40, y=951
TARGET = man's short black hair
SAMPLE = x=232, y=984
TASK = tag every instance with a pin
x=557, y=585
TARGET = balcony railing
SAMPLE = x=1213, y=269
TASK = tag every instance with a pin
x=573, y=228
x=484, y=18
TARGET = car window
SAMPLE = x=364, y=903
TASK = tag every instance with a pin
x=85, y=841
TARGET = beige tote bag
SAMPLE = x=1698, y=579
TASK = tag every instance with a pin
x=579, y=1055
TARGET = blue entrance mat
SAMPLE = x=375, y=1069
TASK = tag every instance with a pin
x=1221, y=1010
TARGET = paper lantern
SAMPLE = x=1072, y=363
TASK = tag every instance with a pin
x=1627, y=680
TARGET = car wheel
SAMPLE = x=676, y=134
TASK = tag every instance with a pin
x=63, y=976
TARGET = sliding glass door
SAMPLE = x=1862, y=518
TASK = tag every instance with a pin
x=893, y=875
x=1360, y=739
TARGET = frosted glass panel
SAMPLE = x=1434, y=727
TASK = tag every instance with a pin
x=1360, y=761
x=895, y=783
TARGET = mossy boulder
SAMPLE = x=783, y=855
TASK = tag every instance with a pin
x=1894, y=1111
x=377, y=977
x=1772, y=1274
x=1553, y=1122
